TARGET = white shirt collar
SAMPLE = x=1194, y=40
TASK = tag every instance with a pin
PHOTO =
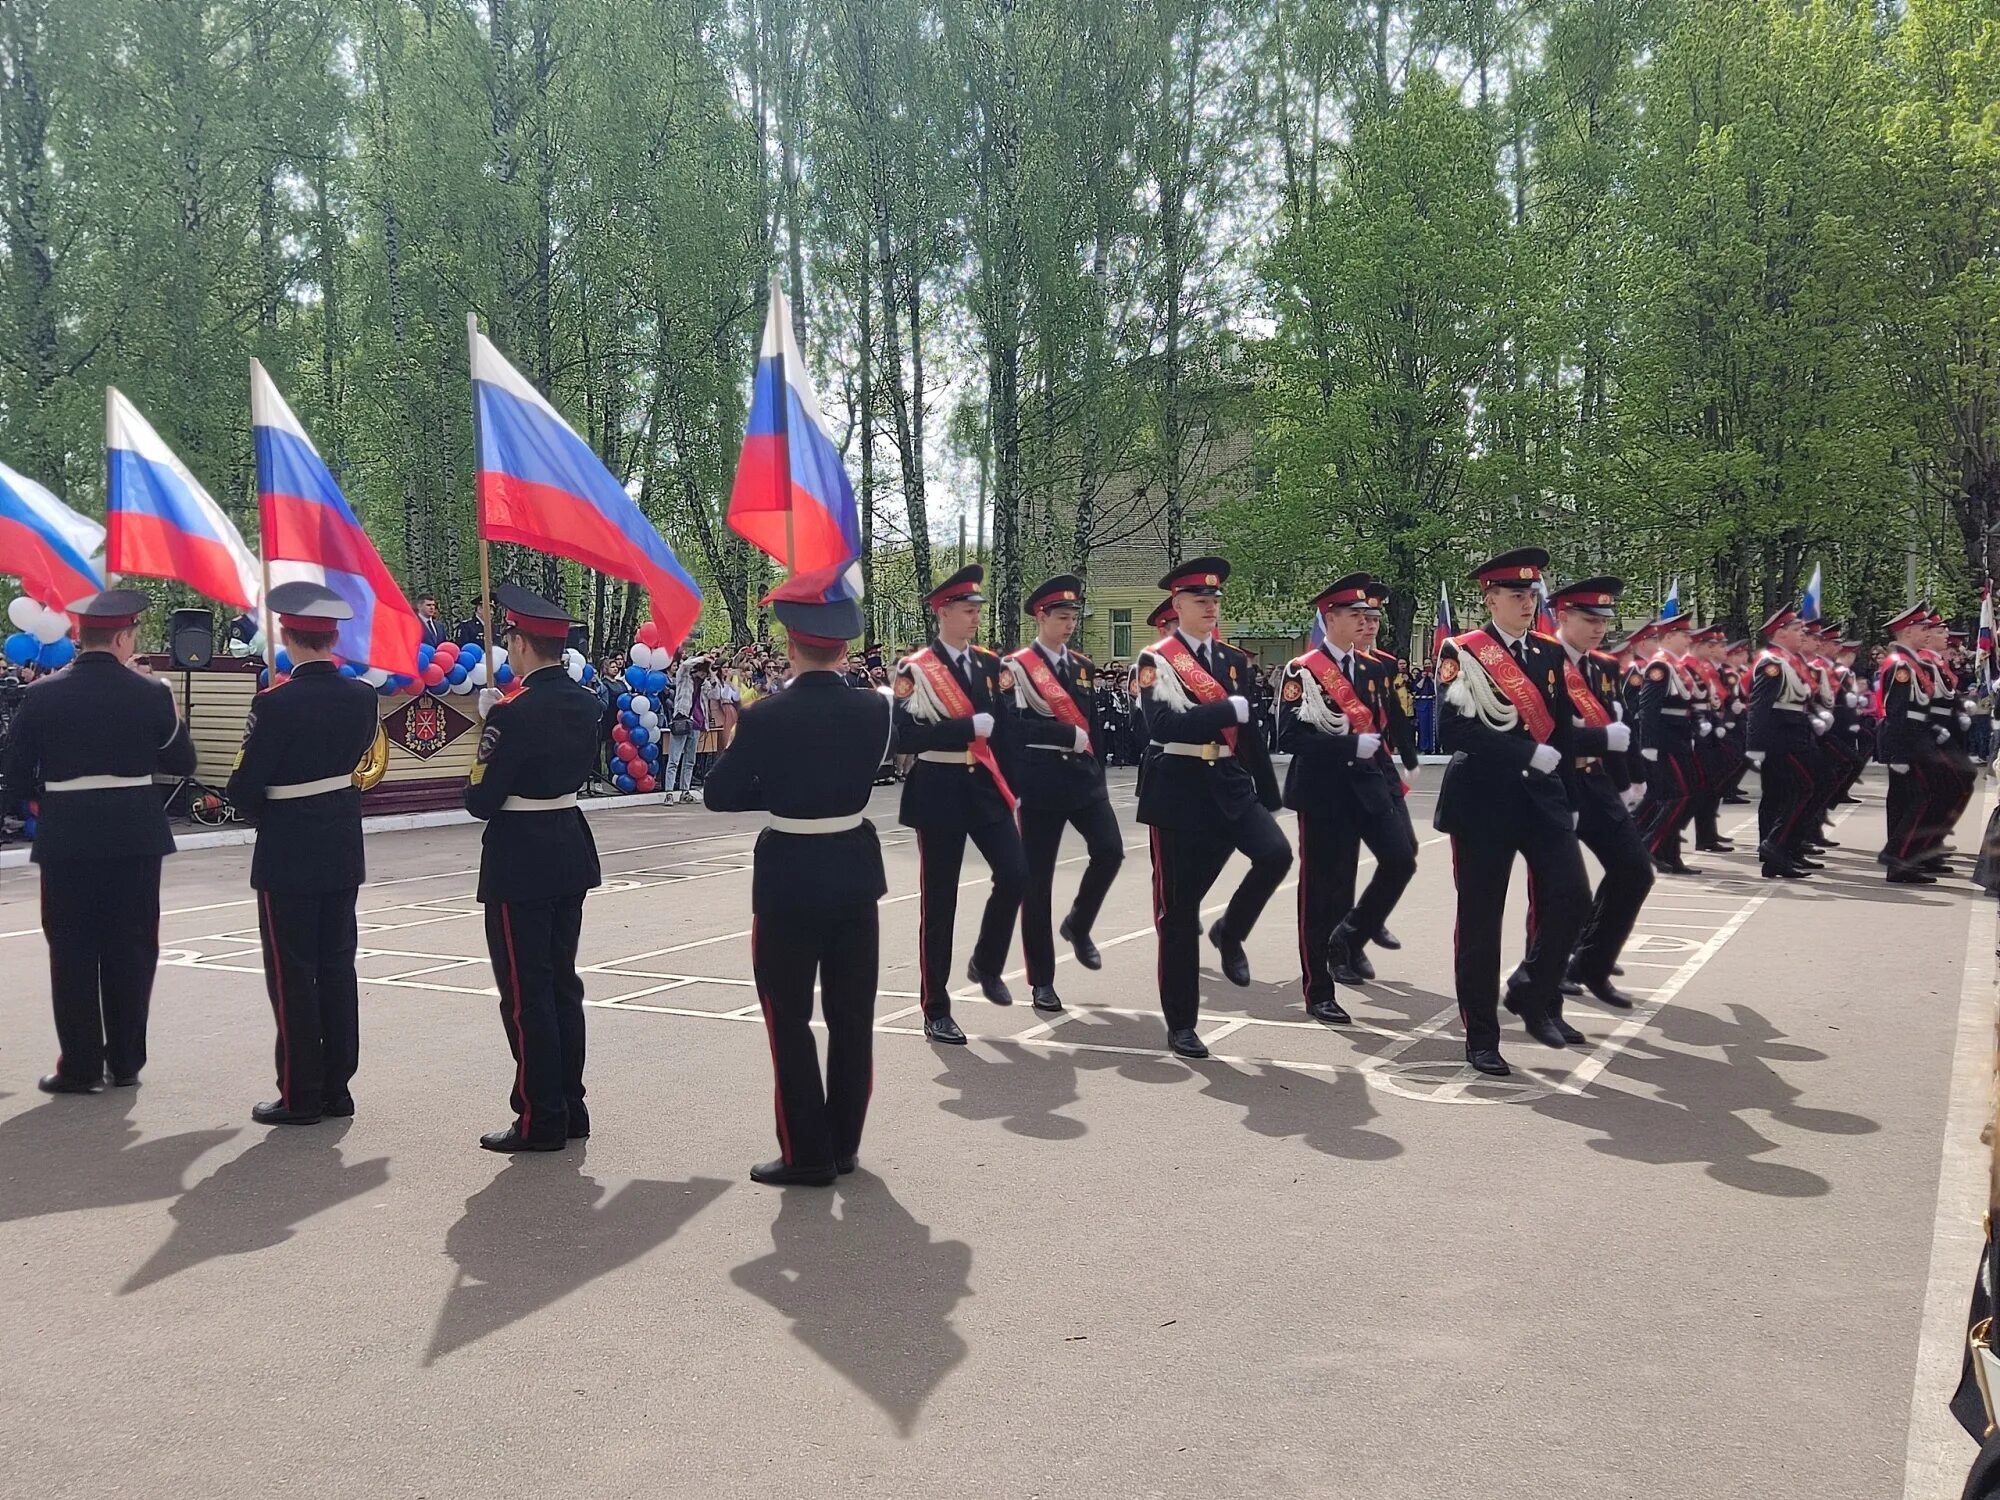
x=1509, y=641
x=1574, y=654
x=1195, y=642
x=1057, y=656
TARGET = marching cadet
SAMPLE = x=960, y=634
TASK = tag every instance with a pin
x=1160, y=621
x=1060, y=781
x=1206, y=790
x=1666, y=732
x=92, y=738
x=1344, y=787
x=1736, y=673
x=1905, y=743
x=955, y=713
x=295, y=778
x=1600, y=787
x=1780, y=746
x=1951, y=720
x=1506, y=720
x=1400, y=738
x=808, y=756
x=536, y=861
x=1714, y=760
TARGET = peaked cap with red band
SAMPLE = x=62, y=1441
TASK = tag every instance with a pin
x=1519, y=569
x=1064, y=591
x=966, y=586
x=531, y=614
x=1593, y=596
x=1163, y=615
x=1198, y=575
x=113, y=609
x=1356, y=589
x=303, y=605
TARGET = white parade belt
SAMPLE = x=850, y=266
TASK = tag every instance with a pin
x=840, y=824
x=1916, y=713
x=1058, y=749
x=1794, y=708
x=948, y=757
x=1209, y=751
x=310, y=788
x=95, y=783
x=539, y=804
x=1676, y=713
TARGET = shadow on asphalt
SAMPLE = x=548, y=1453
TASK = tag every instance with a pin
x=1327, y=1112
x=258, y=1199
x=1697, y=1112
x=1024, y=1088
x=866, y=1289
x=80, y=1151
x=542, y=1229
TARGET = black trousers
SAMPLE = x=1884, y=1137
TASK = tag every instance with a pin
x=533, y=947
x=841, y=948
x=102, y=921
x=1186, y=862
x=1672, y=783
x=1628, y=877
x=940, y=854
x=1788, y=790
x=1713, y=765
x=1910, y=796
x=1041, y=840
x=1329, y=857
x=1482, y=865
x=309, y=947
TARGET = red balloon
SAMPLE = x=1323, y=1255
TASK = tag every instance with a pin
x=647, y=784
x=433, y=674
x=447, y=653
x=620, y=734
x=649, y=634
x=627, y=751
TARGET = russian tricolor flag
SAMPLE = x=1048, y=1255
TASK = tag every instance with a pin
x=541, y=486
x=45, y=544
x=1445, y=628
x=160, y=522
x=791, y=499
x=312, y=535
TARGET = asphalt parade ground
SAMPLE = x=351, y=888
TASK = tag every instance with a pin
x=1691, y=1259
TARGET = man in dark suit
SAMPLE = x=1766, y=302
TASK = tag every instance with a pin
x=1344, y=787
x=295, y=778
x=436, y=632
x=1506, y=720
x=92, y=739
x=1059, y=775
x=1207, y=790
x=536, y=861
x=808, y=757
x=955, y=713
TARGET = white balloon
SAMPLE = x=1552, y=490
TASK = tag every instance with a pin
x=50, y=625
x=23, y=612
x=498, y=656
x=462, y=688
x=477, y=676
x=576, y=670
x=640, y=703
x=650, y=720
x=375, y=677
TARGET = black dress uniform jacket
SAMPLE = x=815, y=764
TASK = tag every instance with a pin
x=1185, y=791
x=319, y=724
x=1489, y=773
x=1056, y=780
x=809, y=752
x=98, y=718
x=956, y=797
x=1325, y=775
x=541, y=743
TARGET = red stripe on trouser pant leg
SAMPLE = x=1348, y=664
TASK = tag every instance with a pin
x=1159, y=918
x=1305, y=885
x=1804, y=798
x=1923, y=797
x=771, y=1036
x=520, y=1034
x=1464, y=1021
x=923, y=939
x=1531, y=911
x=278, y=999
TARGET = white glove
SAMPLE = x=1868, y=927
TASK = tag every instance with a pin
x=1409, y=775
x=1943, y=734
x=1704, y=728
x=1632, y=796
x=1366, y=746
x=1082, y=742
x=1545, y=759
x=1756, y=757
x=1821, y=723
x=1903, y=770
x=1736, y=707
x=1242, y=707
x=982, y=726
x=1650, y=753
x=1617, y=738
x=487, y=698
x=1965, y=721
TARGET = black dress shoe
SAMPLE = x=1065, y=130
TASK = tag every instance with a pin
x=1046, y=999
x=992, y=986
x=1568, y=1032
x=121, y=1080
x=777, y=1174
x=579, y=1124
x=1384, y=938
x=1911, y=877
x=1488, y=1060
x=1738, y=798
x=1186, y=1043
x=844, y=1165
x=1618, y=971
x=339, y=1109
x=1607, y=993
x=1807, y=864
x=55, y=1083
x=1674, y=867
x=1328, y=1012
x=943, y=1029
x=277, y=1112
x=1716, y=846
x=1086, y=950
x=1235, y=962
x=1826, y=843
x=511, y=1139
x=1569, y=987
x=1937, y=864
x=1547, y=1030
x=1777, y=870
x=1358, y=966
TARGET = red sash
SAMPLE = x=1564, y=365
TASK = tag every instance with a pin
x=1586, y=703
x=1510, y=679
x=958, y=704
x=1710, y=679
x=1174, y=652
x=1050, y=687
x=1360, y=718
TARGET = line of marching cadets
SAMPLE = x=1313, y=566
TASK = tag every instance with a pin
x=1555, y=746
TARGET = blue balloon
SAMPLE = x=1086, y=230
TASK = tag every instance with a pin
x=455, y=676
x=264, y=678
x=471, y=655
x=626, y=783
x=424, y=654
x=285, y=662
x=624, y=701
x=348, y=669
x=22, y=648
x=28, y=827
x=589, y=673
x=388, y=689
x=505, y=674
x=57, y=653
x=640, y=736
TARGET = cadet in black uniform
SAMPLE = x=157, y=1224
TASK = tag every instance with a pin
x=955, y=713
x=536, y=861
x=1666, y=730
x=1059, y=776
x=1905, y=684
x=92, y=738
x=1344, y=787
x=1781, y=747
x=295, y=778
x=1207, y=790
x=1505, y=717
x=808, y=757
x=1400, y=740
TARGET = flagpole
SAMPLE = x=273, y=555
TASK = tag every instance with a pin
x=479, y=509
x=264, y=619
x=778, y=310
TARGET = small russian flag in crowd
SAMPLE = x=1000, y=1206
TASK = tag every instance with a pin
x=541, y=486
x=1445, y=629
x=1809, y=601
x=1670, y=607
x=790, y=467
x=160, y=522
x=1986, y=629
x=45, y=544
x=312, y=535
